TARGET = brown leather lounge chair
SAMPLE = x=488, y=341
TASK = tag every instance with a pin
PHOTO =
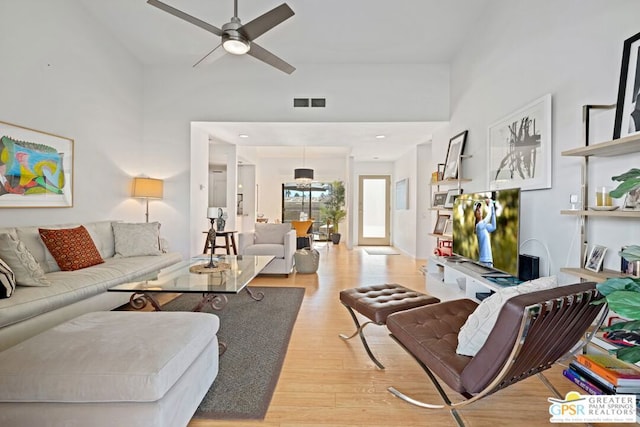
x=531, y=333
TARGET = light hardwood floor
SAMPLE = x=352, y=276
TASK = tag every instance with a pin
x=328, y=382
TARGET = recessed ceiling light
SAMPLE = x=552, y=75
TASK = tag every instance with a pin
x=243, y=135
x=376, y=158
x=381, y=136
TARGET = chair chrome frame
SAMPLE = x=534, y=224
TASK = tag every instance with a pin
x=538, y=325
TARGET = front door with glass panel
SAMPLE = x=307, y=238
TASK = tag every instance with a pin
x=374, y=209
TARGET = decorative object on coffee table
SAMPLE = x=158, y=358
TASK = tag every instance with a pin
x=211, y=239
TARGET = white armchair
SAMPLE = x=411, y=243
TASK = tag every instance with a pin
x=278, y=240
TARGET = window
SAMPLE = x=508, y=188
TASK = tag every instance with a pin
x=308, y=200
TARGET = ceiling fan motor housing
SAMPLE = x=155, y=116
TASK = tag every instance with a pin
x=233, y=41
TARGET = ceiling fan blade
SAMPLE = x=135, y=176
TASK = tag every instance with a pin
x=264, y=55
x=263, y=23
x=184, y=16
x=207, y=55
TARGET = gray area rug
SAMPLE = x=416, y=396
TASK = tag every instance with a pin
x=257, y=335
x=382, y=250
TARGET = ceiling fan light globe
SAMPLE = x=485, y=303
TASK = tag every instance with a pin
x=235, y=46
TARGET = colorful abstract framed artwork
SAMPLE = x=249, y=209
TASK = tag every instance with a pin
x=36, y=168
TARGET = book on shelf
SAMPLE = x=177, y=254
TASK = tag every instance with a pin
x=600, y=383
x=583, y=382
x=613, y=370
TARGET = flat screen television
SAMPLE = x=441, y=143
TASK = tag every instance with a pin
x=485, y=238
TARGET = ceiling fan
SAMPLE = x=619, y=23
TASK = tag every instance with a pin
x=239, y=39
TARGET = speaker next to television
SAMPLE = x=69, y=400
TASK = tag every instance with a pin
x=528, y=267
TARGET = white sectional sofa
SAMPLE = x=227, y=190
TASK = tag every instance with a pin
x=31, y=310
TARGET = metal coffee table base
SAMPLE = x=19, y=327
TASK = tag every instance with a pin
x=141, y=299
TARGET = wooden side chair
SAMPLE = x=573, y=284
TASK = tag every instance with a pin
x=532, y=332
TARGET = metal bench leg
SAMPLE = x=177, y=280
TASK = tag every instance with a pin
x=359, y=329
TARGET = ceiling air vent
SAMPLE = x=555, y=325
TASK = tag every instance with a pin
x=300, y=102
x=309, y=102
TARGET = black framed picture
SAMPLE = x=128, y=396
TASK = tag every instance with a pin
x=627, y=120
x=455, y=150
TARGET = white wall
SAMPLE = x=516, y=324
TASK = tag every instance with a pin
x=62, y=74
x=65, y=75
x=253, y=92
x=404, y=220
x=523, y=50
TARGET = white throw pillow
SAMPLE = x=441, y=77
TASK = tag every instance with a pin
x=136, y=239
x=476, y=329
x=25, y=267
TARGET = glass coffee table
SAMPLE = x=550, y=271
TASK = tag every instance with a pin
x=234, y=276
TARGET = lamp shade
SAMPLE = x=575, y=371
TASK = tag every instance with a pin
x=147, y=188
x=303, y=175
x=212, y=212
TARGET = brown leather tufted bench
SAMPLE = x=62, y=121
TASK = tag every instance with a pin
x=376, y=302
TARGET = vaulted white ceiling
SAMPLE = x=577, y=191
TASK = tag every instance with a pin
x=321, y=32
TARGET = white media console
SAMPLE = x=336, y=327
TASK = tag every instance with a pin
x=454, y=277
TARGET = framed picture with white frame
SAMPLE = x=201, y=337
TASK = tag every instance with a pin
x=452, y=195
x=448, y=228
x=519, y=152
x=595, y=258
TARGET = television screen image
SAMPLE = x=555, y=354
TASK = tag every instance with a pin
x=486, y=228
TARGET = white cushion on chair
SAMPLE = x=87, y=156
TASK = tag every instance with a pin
x=271, y=233
x=265, y=249
x=479, y=324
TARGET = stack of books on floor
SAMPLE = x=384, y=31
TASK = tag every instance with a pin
x=603, y=374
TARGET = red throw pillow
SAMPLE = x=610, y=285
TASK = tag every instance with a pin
x=72, y=248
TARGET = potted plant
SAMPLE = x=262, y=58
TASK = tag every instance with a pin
x=333, y=210
x=622, y=294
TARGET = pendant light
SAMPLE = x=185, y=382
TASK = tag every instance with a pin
x=303, y=176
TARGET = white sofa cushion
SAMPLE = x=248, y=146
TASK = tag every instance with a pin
x=265, y=249
x=77, y=361
x=476, y=329
x=27, y=270
x=102, y=234
x=69, y=287
x=136, y=239
x=271, y=233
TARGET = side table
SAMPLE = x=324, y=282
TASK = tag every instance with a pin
x=229, y=242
